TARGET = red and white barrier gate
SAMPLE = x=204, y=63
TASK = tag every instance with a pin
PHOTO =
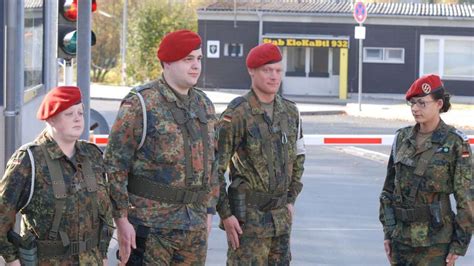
x=101, y=140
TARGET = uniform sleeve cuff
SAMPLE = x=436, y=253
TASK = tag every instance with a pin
x=10, y=257
x=455, y=248
x=291, y=200
x=119, y=213
x=225, y=213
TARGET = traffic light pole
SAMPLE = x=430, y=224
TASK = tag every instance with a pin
x=68, y=72
x=84, y=58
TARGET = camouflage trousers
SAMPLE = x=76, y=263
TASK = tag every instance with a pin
x=90, y=258
x=174, y=247
x=419, y=256
x=255, y=251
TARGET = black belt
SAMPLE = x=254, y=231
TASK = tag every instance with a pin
x=52, y=249
x=418, y=214
x=149, y=189
x=265, y=201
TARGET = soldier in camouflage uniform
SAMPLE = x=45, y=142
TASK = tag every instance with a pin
x=58, y=184
x=160, y=158
x=429, y=161
x=260, y=137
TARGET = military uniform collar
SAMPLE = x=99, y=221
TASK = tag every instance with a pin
x=278, y=106
x=256, y=106
x=169, y=94
x=439, y=134
x=53, y=148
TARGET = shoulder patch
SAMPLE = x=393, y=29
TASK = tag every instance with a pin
x=461, y=134
x=236, y=102
x=145, y=86
x=404, y=129
x=27, y=145
x=90, y=144
x=288, y=100
x=199, y=90
x=139, y=89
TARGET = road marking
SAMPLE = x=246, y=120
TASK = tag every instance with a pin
x=361, y=153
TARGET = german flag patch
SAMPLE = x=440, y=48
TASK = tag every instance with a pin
x=227, y=118
x=465, y=154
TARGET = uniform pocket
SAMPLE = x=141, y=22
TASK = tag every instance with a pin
x=167, y=143
x=437, y=176
x=254, y=142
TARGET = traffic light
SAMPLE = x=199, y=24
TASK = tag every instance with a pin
x=67, y=28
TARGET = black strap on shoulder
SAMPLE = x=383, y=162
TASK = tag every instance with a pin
x=236, y=102
x=267, y=150
x=91, y=184
x=206, y=145
x=420, y=170
x=284, y=142
x=59, y=190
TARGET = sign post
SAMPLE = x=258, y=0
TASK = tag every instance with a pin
x=360, y=15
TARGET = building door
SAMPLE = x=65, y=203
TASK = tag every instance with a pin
x=311, y=71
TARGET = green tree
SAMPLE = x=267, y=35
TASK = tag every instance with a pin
x=149, y=21
x=106, y=23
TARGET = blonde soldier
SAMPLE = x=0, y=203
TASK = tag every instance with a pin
x=160, y=157
x=429, y=161
x=58, y=183
x=260, y=136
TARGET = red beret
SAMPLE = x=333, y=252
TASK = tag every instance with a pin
x=263, y=54
x=177, y=45
x=424, y=86
x=58, y=100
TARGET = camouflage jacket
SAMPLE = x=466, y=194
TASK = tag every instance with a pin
x=78, y=220
x=161, y=159
x=240, y=146
x=448, y=172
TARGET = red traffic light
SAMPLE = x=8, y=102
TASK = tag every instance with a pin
x=68, y=8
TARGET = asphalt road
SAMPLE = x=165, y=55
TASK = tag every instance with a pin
x=336, y=219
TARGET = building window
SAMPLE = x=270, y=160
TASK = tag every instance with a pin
x=33, y=47
x=451, y=57
x=319, y=62
x=295, y=65
x=234, y=49
x=384, y=55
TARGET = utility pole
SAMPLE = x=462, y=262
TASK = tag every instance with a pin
x=84, y=58
x=124, y=41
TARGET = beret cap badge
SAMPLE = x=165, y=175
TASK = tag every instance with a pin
x=426, y=88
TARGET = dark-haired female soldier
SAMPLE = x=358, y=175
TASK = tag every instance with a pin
x=429, y=161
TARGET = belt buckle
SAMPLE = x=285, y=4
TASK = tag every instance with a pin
x=276, y=202
x=188, y=197
x=74, y=248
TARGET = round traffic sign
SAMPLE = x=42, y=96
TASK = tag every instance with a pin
x=360, y=12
